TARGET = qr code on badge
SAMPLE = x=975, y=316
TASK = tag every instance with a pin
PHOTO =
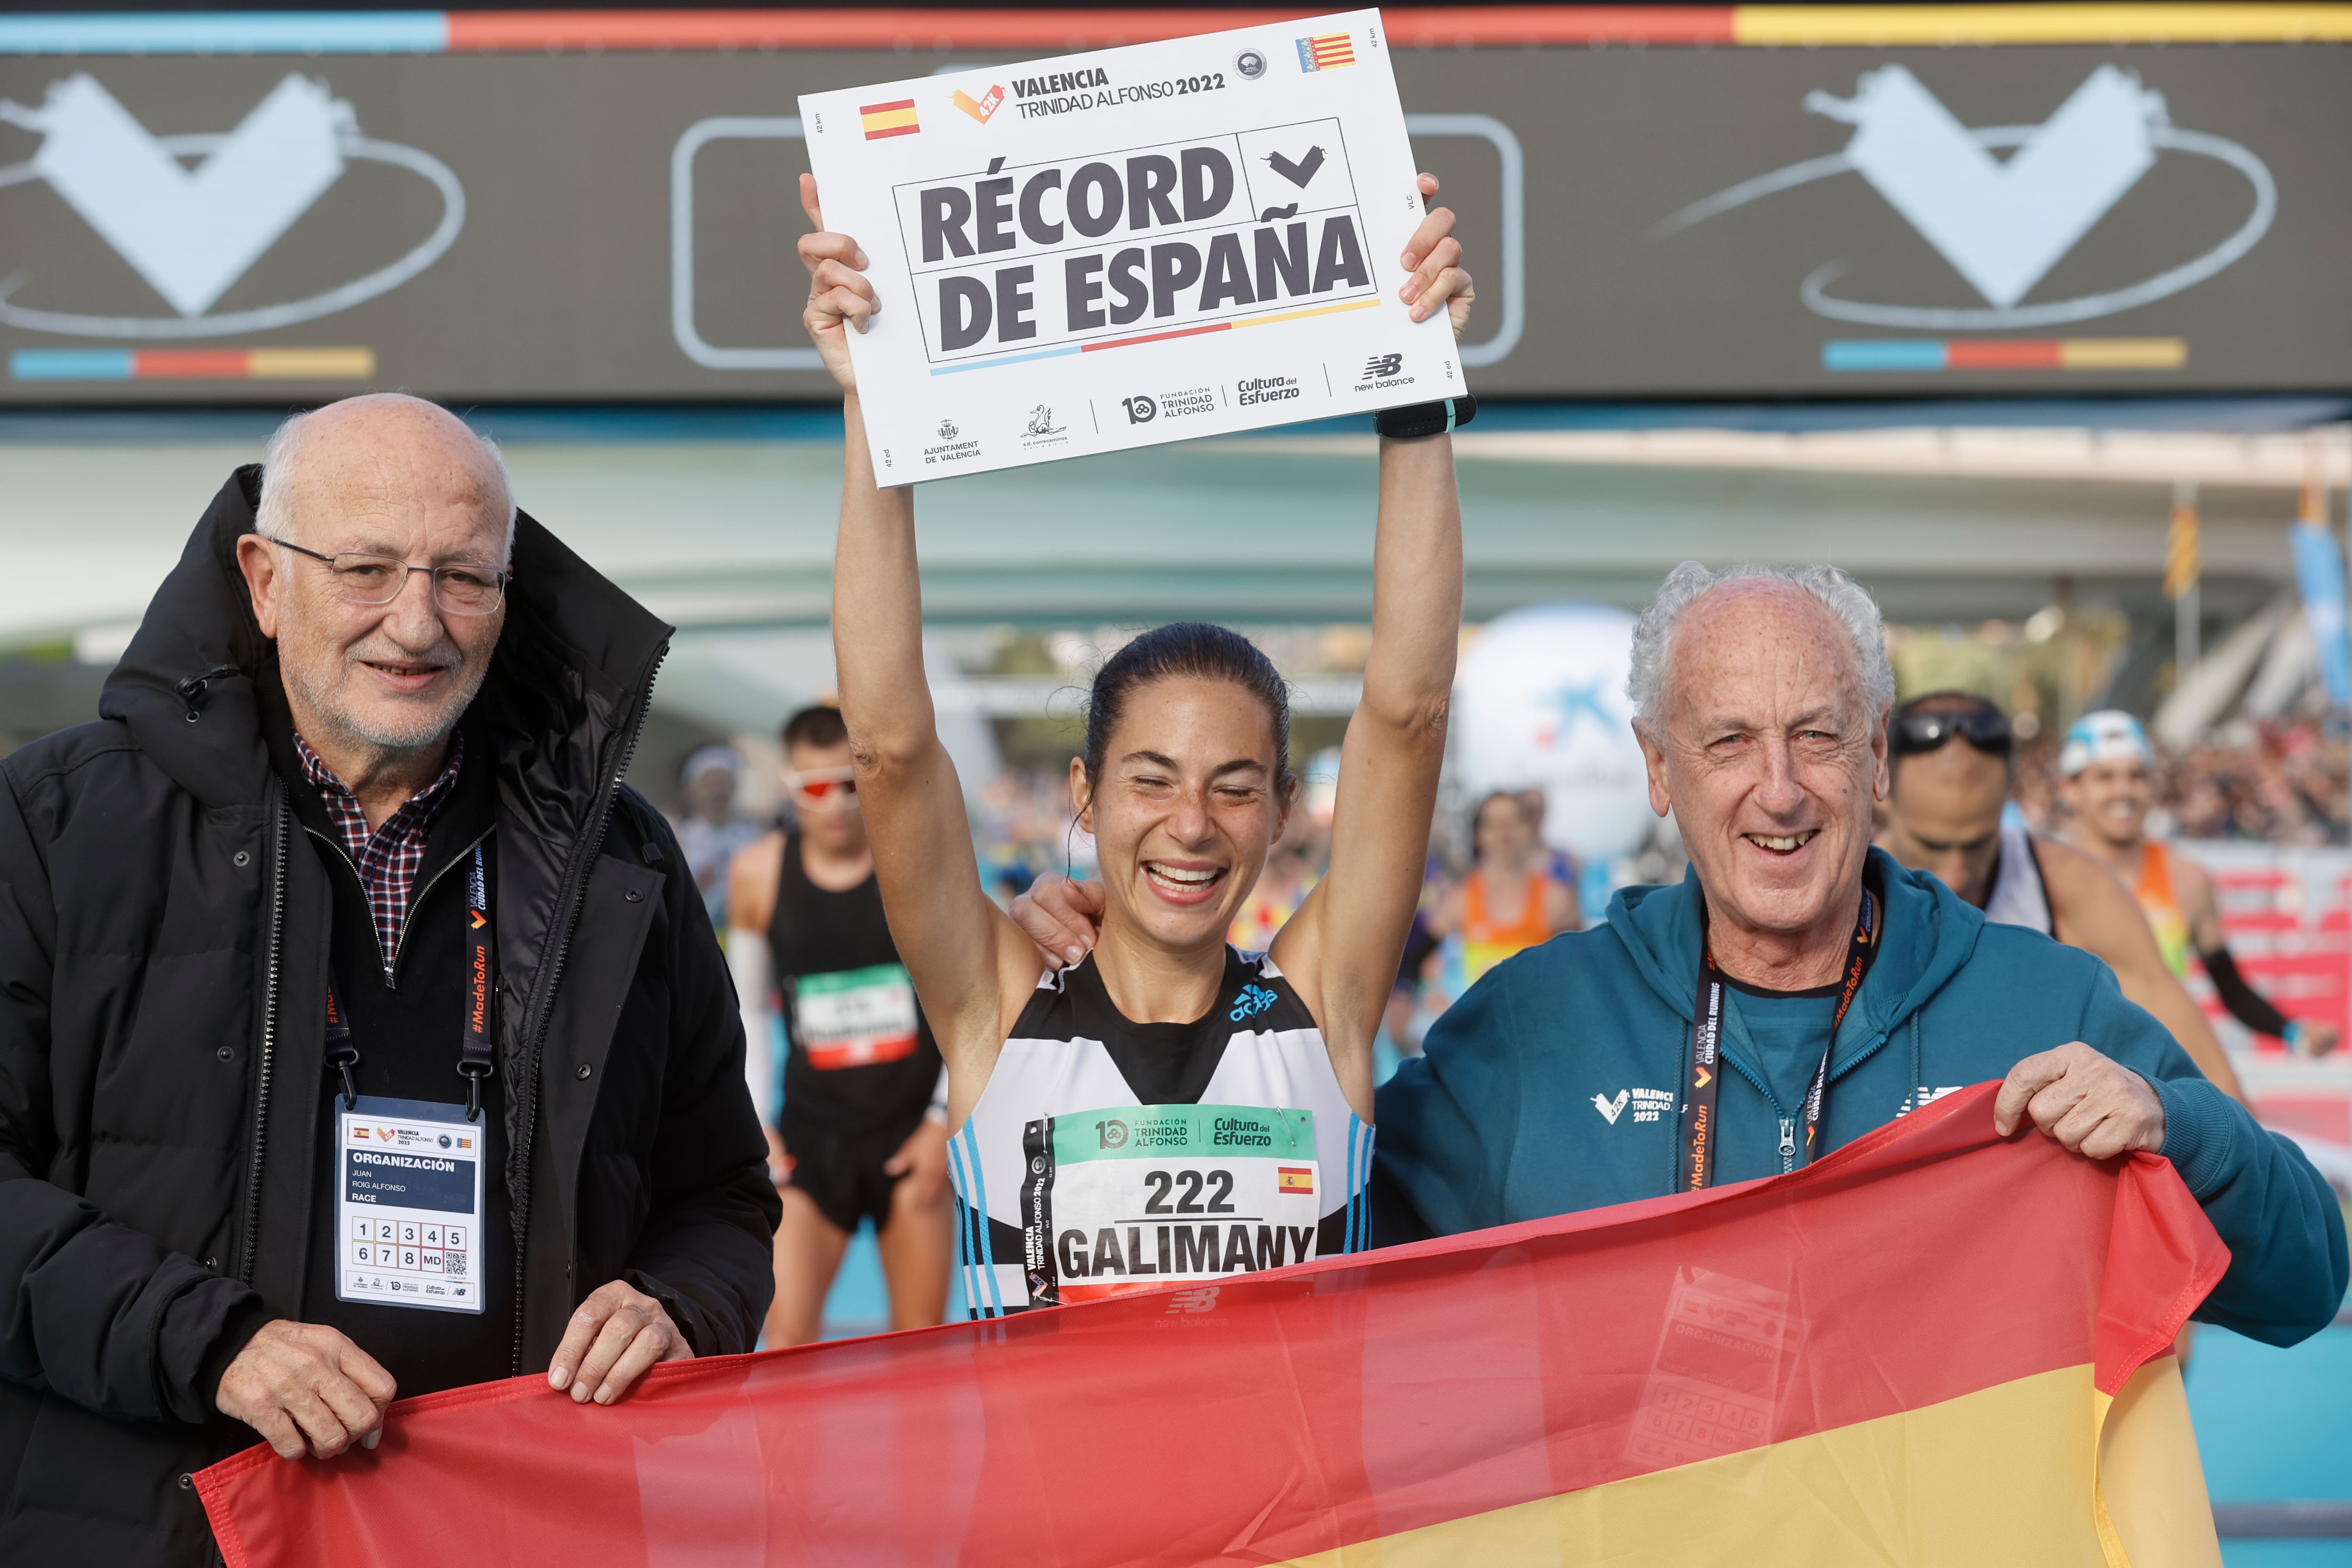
x=453, y=1263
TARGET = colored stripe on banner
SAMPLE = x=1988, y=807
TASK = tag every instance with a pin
x=1899, y=354
x=1675, y=1380
x=1151, y=337
x=190, y=364
x=904, y=29
x=229, y=32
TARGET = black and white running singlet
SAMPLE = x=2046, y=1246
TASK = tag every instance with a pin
x=1106, y=1156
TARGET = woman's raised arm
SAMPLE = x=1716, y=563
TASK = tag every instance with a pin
x=964, y=956
x=1342, y=947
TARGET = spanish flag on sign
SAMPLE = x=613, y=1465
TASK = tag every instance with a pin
x=890, y=119
x=1294, y=1179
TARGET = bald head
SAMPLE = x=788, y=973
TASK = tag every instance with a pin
x=380, y=483
x=380, y=454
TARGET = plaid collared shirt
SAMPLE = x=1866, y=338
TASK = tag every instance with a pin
x=387, y=858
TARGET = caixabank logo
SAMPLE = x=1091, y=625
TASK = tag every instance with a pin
x=192, y=214
x=2004, y=223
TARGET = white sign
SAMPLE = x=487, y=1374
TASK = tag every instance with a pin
x=1132, y=246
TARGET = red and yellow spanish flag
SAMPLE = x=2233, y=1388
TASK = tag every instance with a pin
x=1933, y=1346
x=890, y=120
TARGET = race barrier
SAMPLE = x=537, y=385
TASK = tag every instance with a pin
x=1933, y=1346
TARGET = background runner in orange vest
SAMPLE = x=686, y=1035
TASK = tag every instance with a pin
x=1510, y=901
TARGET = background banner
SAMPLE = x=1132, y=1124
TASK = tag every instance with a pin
x=600, y=205
x=1774, y=1372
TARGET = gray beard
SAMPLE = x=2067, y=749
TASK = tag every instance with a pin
x=422, y=734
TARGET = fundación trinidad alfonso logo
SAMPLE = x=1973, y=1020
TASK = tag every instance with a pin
x=2002, y=224
x=192, y=214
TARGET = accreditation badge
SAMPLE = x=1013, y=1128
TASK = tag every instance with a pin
x=1136, y=1197
x=409, y=1205
x=854, y=1017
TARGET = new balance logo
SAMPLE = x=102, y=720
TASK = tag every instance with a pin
x=1381, y=366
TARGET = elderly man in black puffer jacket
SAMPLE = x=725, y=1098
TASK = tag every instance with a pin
x=319, y=775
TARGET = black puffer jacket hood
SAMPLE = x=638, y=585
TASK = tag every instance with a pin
x=163, y=935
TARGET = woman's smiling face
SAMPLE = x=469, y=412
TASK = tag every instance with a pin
x=1191, y=797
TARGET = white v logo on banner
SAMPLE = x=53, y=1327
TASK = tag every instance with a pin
x=1610, y=1108
x=190, y=234
x=2002, y=225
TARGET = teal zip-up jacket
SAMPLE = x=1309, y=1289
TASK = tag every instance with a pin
x=1555, y=1084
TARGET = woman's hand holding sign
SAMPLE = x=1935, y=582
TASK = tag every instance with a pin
x=1434, y=257
x=838, y=292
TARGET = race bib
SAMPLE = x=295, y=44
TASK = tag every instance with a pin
x=1141, y=1196
x=854, y=1017
x=408, y=1205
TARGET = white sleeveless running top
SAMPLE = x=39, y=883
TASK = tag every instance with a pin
x=1106, y=1156
x=2018, y=897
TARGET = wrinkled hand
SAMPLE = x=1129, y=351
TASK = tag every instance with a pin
x=1434, y=255
x=1061, y=917
x=305, y=1389
x=2093, y=1105
x=922, y=1160
x=617, y=1334
x=839, y=295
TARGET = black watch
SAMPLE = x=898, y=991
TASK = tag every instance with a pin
x=1426, y=418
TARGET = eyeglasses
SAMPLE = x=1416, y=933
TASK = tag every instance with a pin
x=360, y=578
x=836, y=784
x=1985, y=728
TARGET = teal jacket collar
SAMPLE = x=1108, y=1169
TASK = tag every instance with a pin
x=1926, y=935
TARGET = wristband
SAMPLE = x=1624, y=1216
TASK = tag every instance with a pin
x=1426, y=418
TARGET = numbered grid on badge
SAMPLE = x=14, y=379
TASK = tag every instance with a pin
x=410, y=1246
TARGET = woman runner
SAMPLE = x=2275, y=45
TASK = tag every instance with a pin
x=1170, y=1110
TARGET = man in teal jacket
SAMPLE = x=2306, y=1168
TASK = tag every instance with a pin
x=1846, y=991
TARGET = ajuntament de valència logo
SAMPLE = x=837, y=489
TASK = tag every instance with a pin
x=2002, y=225
x=192, y=232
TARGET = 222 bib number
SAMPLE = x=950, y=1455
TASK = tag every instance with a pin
x=1135, y=1197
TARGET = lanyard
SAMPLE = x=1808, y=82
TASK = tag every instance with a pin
x=477, y=1056
x=1698, y=1127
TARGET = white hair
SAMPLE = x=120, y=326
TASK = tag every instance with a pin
x=1853, y=610
x=275, y=516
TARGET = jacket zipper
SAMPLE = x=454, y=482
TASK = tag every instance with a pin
x=415, y=898
x=535, y=1028
x=248, y=1244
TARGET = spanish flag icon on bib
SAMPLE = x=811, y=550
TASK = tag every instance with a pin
x=1294, y=1179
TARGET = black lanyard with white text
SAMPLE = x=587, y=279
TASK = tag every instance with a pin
x=1698, y=1117
x=477, y=1055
